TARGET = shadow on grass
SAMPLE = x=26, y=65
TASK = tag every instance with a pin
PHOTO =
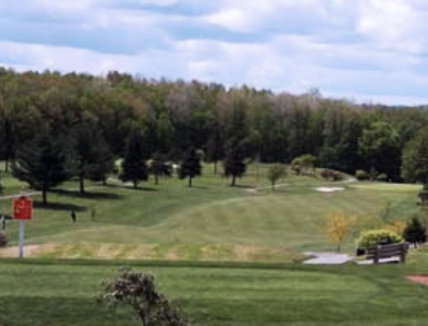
x=117, y=186
x=59, y=206
x=241, y=186
x=88, y=195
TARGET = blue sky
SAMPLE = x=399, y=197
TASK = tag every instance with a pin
x=363, y=50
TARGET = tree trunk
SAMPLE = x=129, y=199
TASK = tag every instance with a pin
x=273, y=186
x=215, y=167
x=233, y=184
x=44, y=196
x=156, y=179
x=338, y=247
x=6, y=168
x=190, y=182
x=105, y=182
x=135, y=184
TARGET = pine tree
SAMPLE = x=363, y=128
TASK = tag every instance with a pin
x=41, y=163
x=134, y=167
x=234, y=162
x=92, y=157
x=191, y=166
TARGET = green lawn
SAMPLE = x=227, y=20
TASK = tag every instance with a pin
x=211, y=221
x=52, y=293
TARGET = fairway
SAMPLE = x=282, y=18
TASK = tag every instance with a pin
x=64, y=293
x=211, y=221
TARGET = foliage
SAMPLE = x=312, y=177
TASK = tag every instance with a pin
x=362, y=175
x=331, y=175
x=415, y=231
x=234, y=161
x=41, y=163
x=134, y=167
x=275, y=173
x=373, y=238
x=303, y=164
x=92, y=156
x=337, y=227
x=3, y=239
x=191, y=166
x=379, y=145
x=159, y=167
x=415, y=158
x=397, y=227
x=138, y=291
x=423, y=195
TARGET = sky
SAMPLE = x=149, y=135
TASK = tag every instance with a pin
x=372, y=51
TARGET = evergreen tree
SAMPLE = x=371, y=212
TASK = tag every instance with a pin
x=191, y=166
x=41, y=163
x=415, y=158
x=234, y=162
x=134, y=167
x=92, y=157
x=159, y=167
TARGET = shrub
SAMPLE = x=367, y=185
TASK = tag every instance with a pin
x=362, y=175
x=331, y=175
x=415, y=232
x=3, y=239
x=423, y=195
x=382, y=177
x=139, y=292
x=373, y=238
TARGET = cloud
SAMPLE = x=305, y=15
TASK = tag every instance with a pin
x=367, y=49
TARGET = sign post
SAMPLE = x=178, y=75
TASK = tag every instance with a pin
x=22, y=210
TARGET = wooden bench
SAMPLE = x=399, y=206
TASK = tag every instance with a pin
x=390, y=253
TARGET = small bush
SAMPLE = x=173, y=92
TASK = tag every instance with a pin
x=331, y=175
x=373, y=238
x=362, y=175
x=382, y=177
x=415, y=232
x=3, y=239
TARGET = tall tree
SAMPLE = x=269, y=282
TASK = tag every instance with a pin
x=191, y=166
x=92, y=156
x=415, y=159
x=134, y=167
x=379, y=145
x=41, y=163
x=234, y=161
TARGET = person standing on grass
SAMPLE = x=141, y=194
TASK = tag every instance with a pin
x=73, y=216
x=93, y=213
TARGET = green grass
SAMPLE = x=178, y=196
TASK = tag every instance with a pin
x=180, y=222
x=204, y=236
x=63, y=293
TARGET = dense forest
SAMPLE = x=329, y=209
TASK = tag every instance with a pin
x=81, y=120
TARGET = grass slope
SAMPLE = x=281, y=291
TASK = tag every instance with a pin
x=207, y=222
x=63, y=293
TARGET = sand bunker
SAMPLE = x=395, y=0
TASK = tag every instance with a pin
x=330, y=189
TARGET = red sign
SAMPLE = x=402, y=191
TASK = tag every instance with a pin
x=22, y=208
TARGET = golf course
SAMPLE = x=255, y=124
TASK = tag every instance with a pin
x=224, y=255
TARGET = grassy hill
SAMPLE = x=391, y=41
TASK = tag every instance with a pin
x=211, y=221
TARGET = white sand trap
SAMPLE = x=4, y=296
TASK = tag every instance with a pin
x=330, y=189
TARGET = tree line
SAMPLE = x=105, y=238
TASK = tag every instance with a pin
x=64, y=125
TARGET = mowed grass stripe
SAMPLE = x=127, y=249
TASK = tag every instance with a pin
x=345, y=295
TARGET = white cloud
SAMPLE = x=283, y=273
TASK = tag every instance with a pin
x=370, y=49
